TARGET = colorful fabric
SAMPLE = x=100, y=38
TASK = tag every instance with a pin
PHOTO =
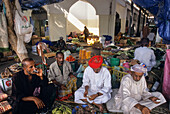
x=96, y=61
x=166, y=78
x=4, y=106
x=71, y=86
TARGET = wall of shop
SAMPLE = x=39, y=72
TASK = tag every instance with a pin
x=100, y=19
x=106, y=26
x=84, y=14
x=122, y=11
x=57, y=26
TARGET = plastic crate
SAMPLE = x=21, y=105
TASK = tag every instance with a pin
x=118, y=74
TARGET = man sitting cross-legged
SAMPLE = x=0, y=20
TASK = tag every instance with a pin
x=96, y=86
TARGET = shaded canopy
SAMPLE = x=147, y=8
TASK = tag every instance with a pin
x=161, y=10
x=39, y=14
x=31, y=4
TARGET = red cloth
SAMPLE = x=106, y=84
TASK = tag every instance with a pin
x=96, y=61
x=64, y=98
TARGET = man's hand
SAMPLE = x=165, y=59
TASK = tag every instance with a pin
x=63, y=87
x=153, y=99
x=92, y=97
x=40, y=73
x=85, y=93
x=143, y=109
x=38, y=102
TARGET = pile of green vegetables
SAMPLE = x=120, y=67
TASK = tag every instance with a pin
x=159, y=52
x=125, y=54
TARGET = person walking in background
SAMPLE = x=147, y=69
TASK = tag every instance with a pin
x=86, y=33
x=145, y=31
x=151, y=36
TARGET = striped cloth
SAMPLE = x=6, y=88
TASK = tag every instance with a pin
x=71, y=86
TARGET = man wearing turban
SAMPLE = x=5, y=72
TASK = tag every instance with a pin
x=133, y=96
x=96, y=87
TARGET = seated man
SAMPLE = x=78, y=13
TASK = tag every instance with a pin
x=61, y=44
x=61, y=75
x=96, y=86
x=133, y=96
x=31, y=88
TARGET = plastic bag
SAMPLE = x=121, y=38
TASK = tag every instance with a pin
x=22, y=28
x=22, y=25
x=66, y=54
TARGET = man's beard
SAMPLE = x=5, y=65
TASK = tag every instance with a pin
x=61, y=62
x=29, y=72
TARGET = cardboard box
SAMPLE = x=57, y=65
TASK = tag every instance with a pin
x=3, y=59
x=17, y=60
x=7, y=53
x=10, y=58
x=161, y=45
x=51, y=54
x=123, y=41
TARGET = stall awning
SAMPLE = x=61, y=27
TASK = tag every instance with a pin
x=161, y=11
x=32, y=4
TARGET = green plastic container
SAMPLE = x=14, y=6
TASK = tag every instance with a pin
x=114, y=62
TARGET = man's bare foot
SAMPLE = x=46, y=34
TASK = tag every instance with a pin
x=100, y=106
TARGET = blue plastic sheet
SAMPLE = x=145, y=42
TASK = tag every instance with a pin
x=161, y=10
x=32, y=4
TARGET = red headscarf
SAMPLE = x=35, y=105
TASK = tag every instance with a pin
x=96, y=61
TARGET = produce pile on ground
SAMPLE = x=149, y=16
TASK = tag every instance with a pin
x=70, y=58
x=124, y=54
x=75, y=40
x=159, y=52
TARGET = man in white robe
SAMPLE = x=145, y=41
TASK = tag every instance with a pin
x=133, y=96
x=145, y=55
x=96, y=86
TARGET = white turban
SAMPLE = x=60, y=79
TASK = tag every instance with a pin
x=138, y=68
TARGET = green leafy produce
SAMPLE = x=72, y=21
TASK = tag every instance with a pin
x=129, y=42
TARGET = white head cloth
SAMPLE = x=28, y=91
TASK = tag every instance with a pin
x=138, y=68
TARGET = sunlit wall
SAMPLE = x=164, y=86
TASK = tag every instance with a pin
x=82, y=14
